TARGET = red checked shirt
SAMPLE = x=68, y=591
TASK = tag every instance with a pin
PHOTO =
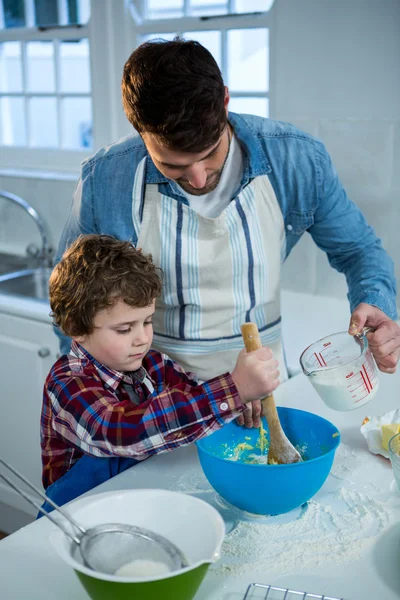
x=91, y=409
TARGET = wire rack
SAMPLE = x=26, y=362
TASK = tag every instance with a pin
x=258, y=591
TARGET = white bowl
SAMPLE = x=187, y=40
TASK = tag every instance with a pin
x=193, y=525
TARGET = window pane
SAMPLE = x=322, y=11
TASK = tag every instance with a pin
x=157, y=36
x=10, y=67
x=248, y=60
x=252, y=5
x=72, y=11
x=46, y=12
x=40, y=67
x=159, y=9
x=78, y=11
x=43, y=122
x=74, y=66
x=250, y=106
x=208, y=7
x=210, y=40
x=12, y=122
x=76, y=119
x=14, y=13
x=83, y=11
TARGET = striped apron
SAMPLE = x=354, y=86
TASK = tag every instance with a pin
x=218, y=274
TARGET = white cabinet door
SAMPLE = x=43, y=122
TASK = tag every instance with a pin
x=27, y=351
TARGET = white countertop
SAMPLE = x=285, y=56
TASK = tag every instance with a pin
x=30, y=569
x=28, y=308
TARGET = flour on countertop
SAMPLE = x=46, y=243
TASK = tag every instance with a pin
x=337, y=526
x=192, y=481
x=334, y=533
x=352, y=466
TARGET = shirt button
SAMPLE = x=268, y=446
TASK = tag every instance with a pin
x=289, y=227
x=224, y=406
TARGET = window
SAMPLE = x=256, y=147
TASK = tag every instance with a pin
x=235, y=31
x=45, y=83
x=160, y=9
x=61, y=63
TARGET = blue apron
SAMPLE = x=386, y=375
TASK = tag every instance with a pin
x=87, y=473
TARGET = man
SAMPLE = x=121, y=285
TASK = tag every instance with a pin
x=220, y=200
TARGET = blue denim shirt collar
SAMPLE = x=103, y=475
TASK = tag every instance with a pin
x=255, y=162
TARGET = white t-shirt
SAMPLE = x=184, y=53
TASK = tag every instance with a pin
x=211, y=205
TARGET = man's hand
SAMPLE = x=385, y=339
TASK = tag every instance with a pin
x=385, y=341
x=255, y=376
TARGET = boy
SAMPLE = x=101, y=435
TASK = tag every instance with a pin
x=114, y=401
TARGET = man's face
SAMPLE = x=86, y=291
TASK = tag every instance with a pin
x=197, y=173
x=121, y=337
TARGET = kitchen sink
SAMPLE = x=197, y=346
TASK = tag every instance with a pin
x=9, y=263
x=29, y=283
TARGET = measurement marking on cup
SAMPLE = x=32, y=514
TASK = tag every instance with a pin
x=367, y=376
x=367, y=383
x=320, y=359
x=362, y=398
x=364, y=381
x=353, y=389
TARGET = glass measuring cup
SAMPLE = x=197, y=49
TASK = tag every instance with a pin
x=342, y=370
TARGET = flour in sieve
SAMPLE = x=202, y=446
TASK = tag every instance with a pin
x=324, y=534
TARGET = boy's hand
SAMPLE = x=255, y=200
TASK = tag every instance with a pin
x=255, y=376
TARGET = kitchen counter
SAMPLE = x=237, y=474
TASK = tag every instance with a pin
x=29, y=568
x=28, y=308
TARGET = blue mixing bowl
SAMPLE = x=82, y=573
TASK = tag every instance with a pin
x=271, y=489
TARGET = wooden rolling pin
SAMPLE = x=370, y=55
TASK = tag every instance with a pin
x=280, y=449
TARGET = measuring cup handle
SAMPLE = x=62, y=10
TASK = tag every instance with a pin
x=365, y=331
x=368, y=330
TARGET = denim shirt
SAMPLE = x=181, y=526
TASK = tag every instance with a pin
x=305, y=183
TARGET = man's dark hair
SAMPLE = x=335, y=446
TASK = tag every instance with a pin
x=175, y=90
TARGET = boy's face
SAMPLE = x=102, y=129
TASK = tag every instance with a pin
x=122, y=336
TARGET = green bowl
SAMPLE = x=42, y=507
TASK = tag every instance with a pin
x=180, y=587
x=193, y=525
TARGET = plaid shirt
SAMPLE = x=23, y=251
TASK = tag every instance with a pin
x=91, y=409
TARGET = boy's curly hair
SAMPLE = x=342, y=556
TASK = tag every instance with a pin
x=93, y=274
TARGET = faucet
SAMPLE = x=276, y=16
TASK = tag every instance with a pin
x=45, y=253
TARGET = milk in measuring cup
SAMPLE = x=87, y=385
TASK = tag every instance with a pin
x=340, y=397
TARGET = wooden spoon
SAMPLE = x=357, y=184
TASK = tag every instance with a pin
x=280, y=449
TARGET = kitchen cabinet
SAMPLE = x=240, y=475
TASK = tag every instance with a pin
x=28, y=348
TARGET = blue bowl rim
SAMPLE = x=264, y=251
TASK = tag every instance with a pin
x=285, y=466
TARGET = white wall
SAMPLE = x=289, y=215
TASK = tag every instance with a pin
x=335, y=74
